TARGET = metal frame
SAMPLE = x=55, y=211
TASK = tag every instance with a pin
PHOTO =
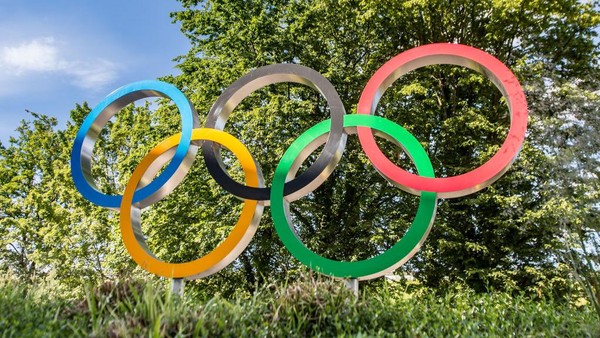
x=318, y=172
x=178, y=152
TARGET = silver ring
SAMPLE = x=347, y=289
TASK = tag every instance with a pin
x=318, y=172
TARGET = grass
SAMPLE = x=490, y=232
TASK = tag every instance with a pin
x=308, y=308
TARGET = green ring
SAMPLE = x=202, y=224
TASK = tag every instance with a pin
x=384, y=262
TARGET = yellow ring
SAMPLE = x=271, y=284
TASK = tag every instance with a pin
x=225, y=252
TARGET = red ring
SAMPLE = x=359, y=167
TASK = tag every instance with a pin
x=446, y=53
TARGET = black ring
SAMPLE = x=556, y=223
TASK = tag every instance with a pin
x=318, y=172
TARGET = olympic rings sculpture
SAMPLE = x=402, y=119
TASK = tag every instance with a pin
x=178, y=152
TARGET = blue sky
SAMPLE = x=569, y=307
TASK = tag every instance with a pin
x=56, y=53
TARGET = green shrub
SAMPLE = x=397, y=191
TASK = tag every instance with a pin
x=310, y=307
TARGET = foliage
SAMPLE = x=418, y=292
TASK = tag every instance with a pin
x=307, y=308
x=45, y=224
x=499, y=237
x=519, y=234
x=574, y=190
x=33, y=310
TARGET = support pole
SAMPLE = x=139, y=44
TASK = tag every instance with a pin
x=177, y=286
x=352, y=284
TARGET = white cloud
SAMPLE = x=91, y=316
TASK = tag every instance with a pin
x=37, y=56
x=43, y=56
x=91, y=75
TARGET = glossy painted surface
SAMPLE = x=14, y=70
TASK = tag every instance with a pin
x=455, y=54
x=373, y=267
x=318, y=172
x=83, y=147
x=226, y=251
x=178, y=152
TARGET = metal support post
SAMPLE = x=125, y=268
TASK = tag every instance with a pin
x=177, y=286
x=352, y=284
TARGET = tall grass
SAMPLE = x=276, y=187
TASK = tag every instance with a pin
x=307, y=308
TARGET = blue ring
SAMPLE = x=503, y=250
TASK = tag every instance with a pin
x=157, y=88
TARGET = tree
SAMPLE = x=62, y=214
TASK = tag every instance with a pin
x=487, y=239
x=574, y=190
x=24, y=209
x=47, y=227
x=506, y=236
